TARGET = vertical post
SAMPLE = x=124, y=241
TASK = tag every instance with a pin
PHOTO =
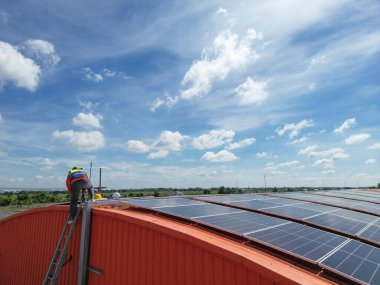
x=100, y=179
x=90, y=168
x=265, y=182
x=84, y=243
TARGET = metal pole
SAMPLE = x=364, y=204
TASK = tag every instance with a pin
x=90, y=168
x=265, y=182
x=100, y=179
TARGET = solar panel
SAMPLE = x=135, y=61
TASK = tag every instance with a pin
x=343, y=255
x=371, y=233
x=191, y=211
x=162, y=202
x=242, y=222
x=332, y=221
x=303, y=241
x=356, y=260
x=356, y=205
x=350, y=195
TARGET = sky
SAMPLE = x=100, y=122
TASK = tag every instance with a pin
x=190, y=93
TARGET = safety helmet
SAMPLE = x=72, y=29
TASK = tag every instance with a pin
x=98, y=196
x=116, y=195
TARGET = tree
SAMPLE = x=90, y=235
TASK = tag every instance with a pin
x=156, y=193
x=5, y=201
x=378, y=185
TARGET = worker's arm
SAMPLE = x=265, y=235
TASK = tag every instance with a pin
x=68, y=183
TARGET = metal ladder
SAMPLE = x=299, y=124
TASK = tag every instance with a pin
x=56, y=263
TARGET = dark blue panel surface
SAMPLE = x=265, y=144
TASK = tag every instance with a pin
x=356, y=260
x=161, y=202
x=192, y=211
x=372, y=233
x=301, y=240
x=244, y=222
x=292, y=212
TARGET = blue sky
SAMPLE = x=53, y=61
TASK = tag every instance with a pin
x=190, y=94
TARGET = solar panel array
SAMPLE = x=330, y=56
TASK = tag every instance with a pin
x=348, y=257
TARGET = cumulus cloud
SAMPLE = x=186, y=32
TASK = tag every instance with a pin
x=241, y=144
x=252, y=92
x=15, y=68
x=42, y=51
x=214, y=138
x=327, y=157
x=346, y=125
x=374, y=146
x=90, y=75
x=370, y=161
x=303, y=139
x=82, y=141
x=278, y=168
x=87, y=121
x=47, y=164
x=227, y=54
x=221, y=156
x=136, y=146
x=158, y=154
x=294, y=129
x=170, y=141
x=359, y=138
x=265, y=155
x=168, y=101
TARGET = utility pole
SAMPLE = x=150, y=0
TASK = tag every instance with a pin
x=100, y=178
x=265, y=182
x=323, y=183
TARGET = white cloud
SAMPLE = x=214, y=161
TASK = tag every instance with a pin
x=112, y=73
x=213, y=139
x=158, y=154
x=370, y=161
x=157, y=103
x=90, y=75
x=228, y=53
x=346, y=125
x=47, y=164
x=374, y=146
x=252, y=92
x=136, y=146
x=169, y=141
x=359, y=138
x=278, y=168
x=241, y=144
x=265, y=155
x=87, y=121
x=222, y=11
x=312, y=86
x=294, y=128
x=16, y=68
x=168, y=101
x=43, y=51
x=1, y=119
x=303, y=139
x=327, y=157
x=87, y=105
x=221, y=156
x=82, y=141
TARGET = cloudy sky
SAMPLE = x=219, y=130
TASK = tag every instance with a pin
x=190, y=93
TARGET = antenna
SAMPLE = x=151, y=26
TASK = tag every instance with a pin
x=90, y=168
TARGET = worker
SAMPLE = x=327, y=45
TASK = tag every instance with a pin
x=98, y=196
x=77, y=180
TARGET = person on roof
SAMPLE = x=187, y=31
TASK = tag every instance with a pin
x=77, y=180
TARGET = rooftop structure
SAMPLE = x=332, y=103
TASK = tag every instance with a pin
x=288, y=238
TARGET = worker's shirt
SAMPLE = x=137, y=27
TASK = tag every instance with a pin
x=75, y=175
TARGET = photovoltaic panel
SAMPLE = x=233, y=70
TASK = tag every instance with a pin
x=356, y=260
x=350, y=196
x=371, y=233
x=242, y=222
x=332, y=221
x=295, y=239
x=303, y=241
x=162, y=202
x=191, y=211
x=340, y=202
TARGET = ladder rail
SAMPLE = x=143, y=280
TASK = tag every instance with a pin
x=60, y=252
